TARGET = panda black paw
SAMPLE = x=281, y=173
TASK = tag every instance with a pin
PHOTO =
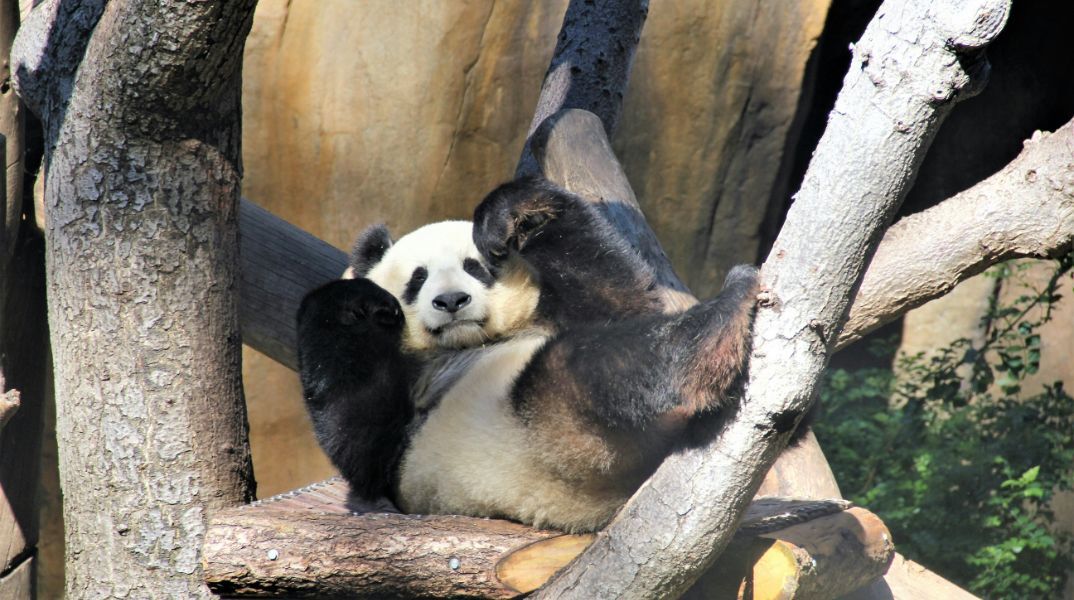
x=513, y=214
x=350, y=304
x=744, y=281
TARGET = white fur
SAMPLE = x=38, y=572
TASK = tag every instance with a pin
x=471, y=456
x=441, y=248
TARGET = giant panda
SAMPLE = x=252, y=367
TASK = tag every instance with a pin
x=520, y=367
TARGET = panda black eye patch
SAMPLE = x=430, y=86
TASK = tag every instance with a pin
x=417, y=279
x=478, y=271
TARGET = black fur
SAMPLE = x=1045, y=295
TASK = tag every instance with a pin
x=475, y=269
x=413, y=286
x=616, y=369
x=587, y=272
x=625, y=360
x=356, y=380
x=369, y=248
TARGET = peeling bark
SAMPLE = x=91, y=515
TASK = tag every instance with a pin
x=907, y=72
x=140, y=108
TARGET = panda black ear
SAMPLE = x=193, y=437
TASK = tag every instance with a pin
x=369, y=248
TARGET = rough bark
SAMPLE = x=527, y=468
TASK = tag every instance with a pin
x=140, y=108
x=308, y=544
x=1026, y=209
x=590, y=66
x=23, y=343
x=913, y=62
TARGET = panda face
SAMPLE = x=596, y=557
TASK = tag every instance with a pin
x=447, y=292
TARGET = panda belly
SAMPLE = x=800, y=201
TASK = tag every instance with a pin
x=474, y=456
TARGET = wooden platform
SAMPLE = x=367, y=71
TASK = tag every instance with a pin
x=312, y=543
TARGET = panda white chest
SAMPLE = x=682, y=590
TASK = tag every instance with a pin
x=471, y=455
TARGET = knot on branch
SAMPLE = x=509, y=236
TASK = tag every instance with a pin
x=971, y=26
x=966, y=29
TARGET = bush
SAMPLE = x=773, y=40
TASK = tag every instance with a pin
x=957, y=458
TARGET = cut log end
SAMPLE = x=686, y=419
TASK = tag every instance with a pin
x=309, y=543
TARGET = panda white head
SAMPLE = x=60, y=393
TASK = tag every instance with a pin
x=449, y=296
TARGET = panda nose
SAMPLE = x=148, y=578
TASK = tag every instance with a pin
x=451, y=302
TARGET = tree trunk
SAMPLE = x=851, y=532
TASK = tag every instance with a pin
x=907, y=72
x=23, y=343
x=140, y=108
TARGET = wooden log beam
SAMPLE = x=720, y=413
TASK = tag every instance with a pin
x=280, y=263
x=907, y=579
x=308, y=544
x=295, y=554
x=18, y=583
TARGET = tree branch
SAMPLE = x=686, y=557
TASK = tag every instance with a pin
x=590, y=66
x=48, y=49
x=1026, y=209
x=906, y=74
x=571, y=148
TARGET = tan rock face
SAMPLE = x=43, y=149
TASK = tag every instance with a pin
x=386, y=111
x=710, y=105
x=408, y=112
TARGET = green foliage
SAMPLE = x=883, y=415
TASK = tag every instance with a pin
x=957, y=458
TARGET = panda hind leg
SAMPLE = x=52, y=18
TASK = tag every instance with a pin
x=644, y=376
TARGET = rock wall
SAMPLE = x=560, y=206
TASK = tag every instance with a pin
x=405, y=113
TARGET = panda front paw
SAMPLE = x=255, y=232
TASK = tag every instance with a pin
x=512, y=214
x=349, y=304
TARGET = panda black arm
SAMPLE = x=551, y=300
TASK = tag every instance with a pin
x=586, y=271
x=356, y=380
